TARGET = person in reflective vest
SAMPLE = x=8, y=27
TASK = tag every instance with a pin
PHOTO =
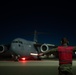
x=65, y=54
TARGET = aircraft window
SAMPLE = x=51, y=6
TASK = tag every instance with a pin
x=17, y=42
x=20, y=42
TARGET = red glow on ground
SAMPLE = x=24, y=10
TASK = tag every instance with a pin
x=22, y=60
x=27, y=58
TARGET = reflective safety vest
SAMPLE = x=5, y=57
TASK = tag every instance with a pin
x=65, y=54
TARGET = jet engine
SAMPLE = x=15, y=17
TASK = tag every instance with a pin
x=46, y=47
x=3, y=48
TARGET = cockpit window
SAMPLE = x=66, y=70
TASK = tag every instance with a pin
x=17, y=42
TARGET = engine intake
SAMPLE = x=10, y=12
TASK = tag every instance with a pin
x=44, y=47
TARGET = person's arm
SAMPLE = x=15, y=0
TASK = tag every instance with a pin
x=49, y=51
x=74, y=48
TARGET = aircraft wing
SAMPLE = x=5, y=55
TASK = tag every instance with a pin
x=44, y=47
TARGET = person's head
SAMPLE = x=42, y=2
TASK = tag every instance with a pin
x=64, y=41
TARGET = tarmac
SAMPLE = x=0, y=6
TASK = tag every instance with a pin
x=43, y=67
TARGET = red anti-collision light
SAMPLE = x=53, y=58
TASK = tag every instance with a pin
x=23, y=59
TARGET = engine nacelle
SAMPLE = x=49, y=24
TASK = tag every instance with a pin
x=2, y=48
x=44, y=47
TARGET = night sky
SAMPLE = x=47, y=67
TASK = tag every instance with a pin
x=55, y=21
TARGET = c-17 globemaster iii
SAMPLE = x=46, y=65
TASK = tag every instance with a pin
x=20, y=47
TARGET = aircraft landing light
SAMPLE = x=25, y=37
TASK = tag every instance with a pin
x=34, y=54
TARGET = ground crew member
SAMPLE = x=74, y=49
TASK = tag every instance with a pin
x=65, y=53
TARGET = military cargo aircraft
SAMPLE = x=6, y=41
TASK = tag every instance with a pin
x=25, y=49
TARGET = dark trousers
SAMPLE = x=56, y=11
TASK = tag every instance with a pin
x=65, y=69
x=65, y=73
